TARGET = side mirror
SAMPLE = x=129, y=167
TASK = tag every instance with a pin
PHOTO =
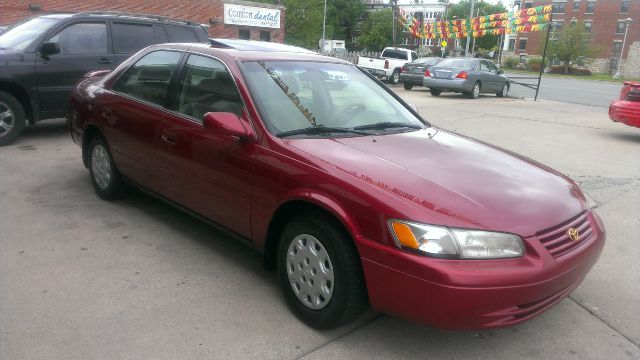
x=500, y=71
x=49, y=48
x=226, y=123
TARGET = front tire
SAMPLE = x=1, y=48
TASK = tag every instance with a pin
x=12, y=118
x=408, y=86
x=395, y=77
x=504, y=92
x=320, y=272
x=105, y=177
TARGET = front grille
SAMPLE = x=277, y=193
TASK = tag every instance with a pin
x=557, y=241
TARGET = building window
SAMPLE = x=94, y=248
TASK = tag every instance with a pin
x=620, y=27
x=576, y=5
x=558, y=7
x=265, y=36
x=523, y=44
x=244, y=34
x=591, y=7
x=528, y=5
x=617, y=46
x=624, y=7
x=587, y=26
x=512, y=44
x=523, y=59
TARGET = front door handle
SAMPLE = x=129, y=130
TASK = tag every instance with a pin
x=171, y=139
x=105, y=61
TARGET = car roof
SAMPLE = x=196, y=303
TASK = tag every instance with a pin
x=247, y=50
x=123, y=16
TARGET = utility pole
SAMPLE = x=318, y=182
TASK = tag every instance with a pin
x=466, y=48
x=394, y=3
x=473, y=47
x=324, y=25
x=627, y=22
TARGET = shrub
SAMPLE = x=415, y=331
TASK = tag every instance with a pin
x=510, y=62
x=559, y=69
x=535, y=62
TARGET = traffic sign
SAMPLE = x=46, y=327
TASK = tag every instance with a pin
x=444, y=43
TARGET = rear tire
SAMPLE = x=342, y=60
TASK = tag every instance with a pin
x=408, y=86
x=475, y=92
x=435, y=92
x=12, y=118
x=105, y=176
x=320, y=271
x=395, y=77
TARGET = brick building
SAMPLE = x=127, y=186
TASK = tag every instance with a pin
x=605, y=19
x=231, y=19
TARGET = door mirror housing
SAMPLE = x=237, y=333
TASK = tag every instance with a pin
x=49, y=48
x=226, y=123
x=500, y=71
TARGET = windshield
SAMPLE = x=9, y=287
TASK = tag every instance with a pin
x=20, y=36
x=427, y=61
x=458, y=63
x=301, y=95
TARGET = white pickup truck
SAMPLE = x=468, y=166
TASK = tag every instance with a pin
x=389, y=63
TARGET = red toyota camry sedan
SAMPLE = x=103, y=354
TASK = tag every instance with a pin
x=349, y=193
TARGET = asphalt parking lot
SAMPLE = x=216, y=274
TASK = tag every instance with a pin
x=81, y=278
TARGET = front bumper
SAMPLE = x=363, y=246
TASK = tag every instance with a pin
x=475, y=294
x=448, y=84
x=413, y=79
x=626, y=112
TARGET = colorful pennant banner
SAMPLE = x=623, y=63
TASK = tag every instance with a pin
x=526, y=20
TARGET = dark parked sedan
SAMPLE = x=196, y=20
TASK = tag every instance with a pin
x=348, y=192
x=469, y=76
x=412, y=74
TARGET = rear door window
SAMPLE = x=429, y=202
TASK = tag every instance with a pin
x=181, y=34
x=129, y=38
x=149, y=78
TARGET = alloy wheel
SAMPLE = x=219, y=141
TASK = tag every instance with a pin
x=476, y=90
x=7, y=119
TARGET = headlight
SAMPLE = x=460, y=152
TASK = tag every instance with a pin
x=451, y=243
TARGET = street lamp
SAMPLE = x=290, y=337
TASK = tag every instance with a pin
x=627, y=23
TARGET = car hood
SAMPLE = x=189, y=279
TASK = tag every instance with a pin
x=448, y=179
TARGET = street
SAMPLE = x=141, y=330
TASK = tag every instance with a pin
x=575, y=91
x=81, y=278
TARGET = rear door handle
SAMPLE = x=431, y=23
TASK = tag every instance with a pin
x=105, y=61
x=171, y=139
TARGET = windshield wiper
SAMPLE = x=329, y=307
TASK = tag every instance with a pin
x=319, y=130
x=387, y=125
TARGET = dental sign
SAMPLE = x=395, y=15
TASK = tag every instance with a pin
x=251, y=16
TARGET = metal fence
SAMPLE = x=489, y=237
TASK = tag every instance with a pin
x=350, y=56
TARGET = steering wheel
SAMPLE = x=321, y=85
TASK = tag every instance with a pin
x=342, y=115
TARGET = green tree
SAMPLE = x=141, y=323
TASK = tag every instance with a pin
x=377, y=30
x=461, y=11
x=303, y=20
x=569, y=44
x=342, y=18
